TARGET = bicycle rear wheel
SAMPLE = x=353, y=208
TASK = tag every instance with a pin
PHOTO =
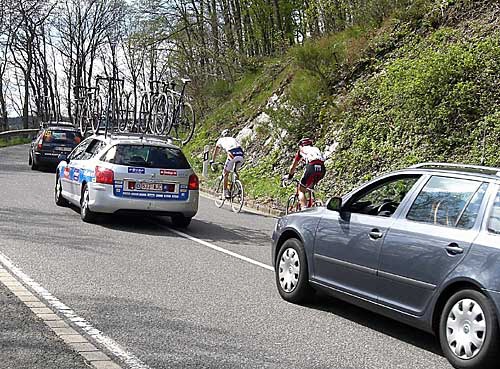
x=183, y=123
x=237, y=196
x=219, y=192
x=292, y=205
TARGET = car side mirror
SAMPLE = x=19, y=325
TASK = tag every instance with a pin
x=334, y=204
x=62, y=157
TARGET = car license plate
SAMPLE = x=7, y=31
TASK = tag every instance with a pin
x=148, y=186
x=62, y=148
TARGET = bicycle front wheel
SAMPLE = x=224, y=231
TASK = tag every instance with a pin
x=292, y=205
x=219, y=192
x=183, y=123
x=237, y=196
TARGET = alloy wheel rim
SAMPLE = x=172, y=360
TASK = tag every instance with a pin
x=466, y=329
x=85, y=201
x=289, y=269
x=58, y=190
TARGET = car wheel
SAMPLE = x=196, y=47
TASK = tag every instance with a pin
x=33, y=164
x=86, y=214
x=468, y=331
x=180, y=221
x=292, y=275
x=58, y=197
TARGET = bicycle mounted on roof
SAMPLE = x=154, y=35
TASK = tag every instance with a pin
x=163, y=110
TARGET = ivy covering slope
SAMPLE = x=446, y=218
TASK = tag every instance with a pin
x=422, y=86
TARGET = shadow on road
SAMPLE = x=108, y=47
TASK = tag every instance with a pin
x=207, y=231
x=379, y=323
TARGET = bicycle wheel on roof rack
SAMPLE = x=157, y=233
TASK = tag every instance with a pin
x=183, y=123
x=96, y=114
x=159, y=119
x=85, y=118
x=123, y=112
x=144, y=115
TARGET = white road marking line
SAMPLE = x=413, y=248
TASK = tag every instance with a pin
x=216, y=248
x=131, y=361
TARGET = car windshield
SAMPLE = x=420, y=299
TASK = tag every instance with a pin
x=62, y=136
x=148, y=156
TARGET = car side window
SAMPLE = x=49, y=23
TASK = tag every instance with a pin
x=109, y=155
x=494, y=220
x=450, y=202
x=384, y=198
x=469, y=214
x=93, y=149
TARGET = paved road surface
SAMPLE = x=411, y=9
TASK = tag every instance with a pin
x=172, y=302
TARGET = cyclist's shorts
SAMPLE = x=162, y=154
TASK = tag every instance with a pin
x=315, y=171
x=237, y=151
x=234, y=164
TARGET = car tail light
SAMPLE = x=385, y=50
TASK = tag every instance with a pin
x=40, y=143
x=194, y=182
x=104, y=175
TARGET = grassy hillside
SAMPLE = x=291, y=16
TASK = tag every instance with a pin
x=422, y=86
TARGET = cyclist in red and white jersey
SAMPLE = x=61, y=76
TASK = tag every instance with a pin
x=235, y=156
x=314, y=170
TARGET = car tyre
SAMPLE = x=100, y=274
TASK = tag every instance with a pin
x=180, y=221
x=32, y=162
x=58, y=197
x=86, y=214
x=471, y=314
x=292, y=273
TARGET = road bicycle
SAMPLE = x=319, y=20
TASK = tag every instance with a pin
x=89, y=107
x=109, y=120
x=236, y=192
x=153, y=109
x=182, y=119
x=293, y=203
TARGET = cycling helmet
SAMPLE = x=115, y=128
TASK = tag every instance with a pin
x=306, y=142
x=224, y=133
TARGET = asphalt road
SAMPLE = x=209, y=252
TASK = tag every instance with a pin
x=175, y=303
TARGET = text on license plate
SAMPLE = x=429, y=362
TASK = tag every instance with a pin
x=148, y=186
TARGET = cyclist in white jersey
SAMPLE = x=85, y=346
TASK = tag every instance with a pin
x=235, y=156
x=314, y=171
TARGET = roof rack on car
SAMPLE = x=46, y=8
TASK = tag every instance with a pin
x=453, y=166
x=141, y=136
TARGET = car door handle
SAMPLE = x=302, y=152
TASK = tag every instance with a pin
x=375, y=234
x=454, y=249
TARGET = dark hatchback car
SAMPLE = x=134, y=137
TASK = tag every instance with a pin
x=52, y=140
x=420, y=245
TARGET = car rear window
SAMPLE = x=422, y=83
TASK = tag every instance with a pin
x=62, y=136
x=148, y=156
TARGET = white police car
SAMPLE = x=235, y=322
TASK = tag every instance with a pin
x=128, y=173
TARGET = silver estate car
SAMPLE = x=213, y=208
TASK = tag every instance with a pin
x=127, y=173
x=420, y=245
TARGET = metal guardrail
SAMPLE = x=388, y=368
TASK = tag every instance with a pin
x=19, y=133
